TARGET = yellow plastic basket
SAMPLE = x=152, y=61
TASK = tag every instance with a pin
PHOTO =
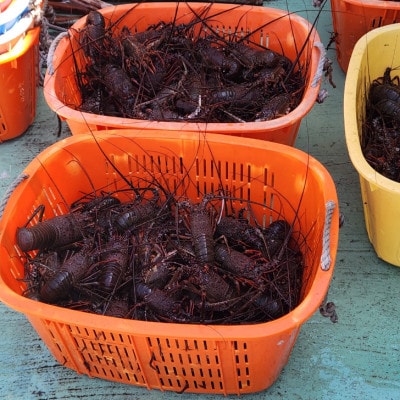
x=373, y=53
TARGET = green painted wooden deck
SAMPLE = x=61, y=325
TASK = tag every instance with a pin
x=356, y=358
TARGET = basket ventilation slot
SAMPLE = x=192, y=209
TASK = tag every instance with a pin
x=187, y=364
x=105, y=355
x=206, y=176
x=3, y=126
x=389, y=17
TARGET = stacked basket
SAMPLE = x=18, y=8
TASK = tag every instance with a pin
x=353, y=18
x=19, y=60
x=104, y=153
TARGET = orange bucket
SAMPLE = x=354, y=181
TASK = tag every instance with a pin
x=236, y=359
x=354, y=18
x=19, y=81
x=276, y=29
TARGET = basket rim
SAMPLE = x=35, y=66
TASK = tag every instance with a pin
x=22, y=46
x=309, y=97
x=352, y=134
x=296, y=317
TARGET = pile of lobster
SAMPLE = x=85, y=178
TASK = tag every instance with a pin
x=171, y=72
x=381, y=131
x=163, y=260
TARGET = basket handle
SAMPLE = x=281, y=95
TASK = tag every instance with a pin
x=321, y=62
x=9, y=191
x=326, y=238
x=52, y=49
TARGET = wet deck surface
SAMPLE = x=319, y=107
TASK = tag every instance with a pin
x=356, y=358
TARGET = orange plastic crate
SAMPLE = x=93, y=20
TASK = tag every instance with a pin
x=353, y=18
x=19, y=80
x=274, y=28
x=168, y=356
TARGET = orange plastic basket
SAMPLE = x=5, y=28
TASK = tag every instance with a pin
x=276, y=29
x=19, y=81
x=168, y=356
x=353, y=18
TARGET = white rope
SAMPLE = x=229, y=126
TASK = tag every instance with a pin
x=197, y=111
x=322, y=95
x=326, y=237
x=36, y=10
x=52, y=49
x=317, y=3
x=321, y=63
